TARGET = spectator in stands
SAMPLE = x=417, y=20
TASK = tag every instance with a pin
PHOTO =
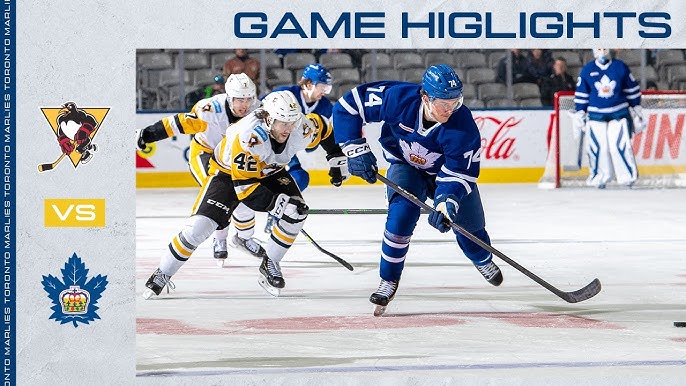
x=217, y=87
x=520, y=68
x=651, y=86
x=242, y=63
x=540, y=64
x=560, y=80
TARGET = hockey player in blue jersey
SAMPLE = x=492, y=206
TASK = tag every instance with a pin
x=608, y=110
x=434, y=150
x=314, y=84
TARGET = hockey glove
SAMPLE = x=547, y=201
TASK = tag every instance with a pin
x=66, y=144
x=639, y=124
x=83, y=135
x=578, y=123
x=291, y=209
x=445, y=210
x=361, y=160
x=140, y=142
x=338, y=169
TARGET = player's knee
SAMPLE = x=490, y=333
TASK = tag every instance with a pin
x=471, y=249
x=402, y=216
x=198, y=228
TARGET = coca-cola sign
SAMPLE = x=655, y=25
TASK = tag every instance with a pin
x=498, y=136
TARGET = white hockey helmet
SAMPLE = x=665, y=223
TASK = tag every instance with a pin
x=602, y=55
x=239, y=86
x=282, y=106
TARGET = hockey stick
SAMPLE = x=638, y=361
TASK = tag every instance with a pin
x=579, y=295
x=351, y=211
x=46, y=167
x=338, y=259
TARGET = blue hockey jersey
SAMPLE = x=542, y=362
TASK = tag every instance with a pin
x=322, y=107
x=606, y=91
x=451, y=151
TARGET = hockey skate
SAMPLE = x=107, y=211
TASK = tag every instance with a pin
x=156, y=284
x=383, y=295
x=220, y=253
x=251, y=246
x=271, y=279
x=491, y=273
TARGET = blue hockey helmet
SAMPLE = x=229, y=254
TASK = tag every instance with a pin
x=441, y=82
x=317, y=74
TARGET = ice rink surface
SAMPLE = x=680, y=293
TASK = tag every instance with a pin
x=446, y=325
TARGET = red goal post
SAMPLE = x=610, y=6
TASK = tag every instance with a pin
x=660, y=150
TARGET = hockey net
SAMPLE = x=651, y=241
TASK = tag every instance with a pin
x=660, y=150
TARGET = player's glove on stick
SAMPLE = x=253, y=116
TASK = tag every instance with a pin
x=361, y=160
x=140, y=142
x=291, y=209
x=578, y=123
x=445, y=207
x=637, y=117
x=338, y=169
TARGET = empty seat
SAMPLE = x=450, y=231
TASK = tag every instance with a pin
x=650, y=73
x=384, y=74
x=271, y=60
x=465, y=60
x=474, y=104
x=168, y=78
x=530, y=102
x=572, y=57
x=501, y=103
x=676, y=73
x=154, y=61
x=525, y=90
x=488, y=91
x=412, y=75
x=630, y=57
x=667, y=57
x=336, y=60
x=469, y=91
x=383, y=60
x=218, y=59
x=279, y=76
x=204, y=76
x=343, y=75
x=433, y=58
x=196, y=60
x=481, y=75
x=297, y=60
x=402, y=60
x=342, y=89
x=494, y=57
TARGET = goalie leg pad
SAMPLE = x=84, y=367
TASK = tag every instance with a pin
x=600, y=165
x=621, y=152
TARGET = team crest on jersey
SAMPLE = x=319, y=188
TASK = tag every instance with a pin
x=418, y=155
x=284, y=180
x=253, y=140
x=74, y=298
x=75, y=129
x=605, y=87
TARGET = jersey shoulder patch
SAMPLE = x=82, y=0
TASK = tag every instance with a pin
x=261, y=132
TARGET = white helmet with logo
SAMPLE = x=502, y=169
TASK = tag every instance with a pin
x=239, y=86
x=282, y=106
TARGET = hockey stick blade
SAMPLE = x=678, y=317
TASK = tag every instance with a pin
x=324, y=251
x=46, y=167
x=579, y=295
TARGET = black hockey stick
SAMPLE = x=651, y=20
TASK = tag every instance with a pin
x=46, y=167
x=352, y=211
x=579, y=295
x=338, y=259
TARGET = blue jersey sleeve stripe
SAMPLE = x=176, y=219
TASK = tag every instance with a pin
x=581, y=94
x=630, y=90
x=581, y=101
x=634, y=96
x=445, y=170
x=360, y=106
x=347, y=107
x=456, y=179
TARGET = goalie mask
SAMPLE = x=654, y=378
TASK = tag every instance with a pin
x=241, y=87
x=602, y=55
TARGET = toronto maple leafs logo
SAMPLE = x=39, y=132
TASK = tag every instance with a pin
x=418, y=155
x=605, y=87
x=74, y=299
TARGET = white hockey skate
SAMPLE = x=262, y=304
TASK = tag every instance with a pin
x=156, y=283
x=383, y=295
x=220, y=253
x=271, y=279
